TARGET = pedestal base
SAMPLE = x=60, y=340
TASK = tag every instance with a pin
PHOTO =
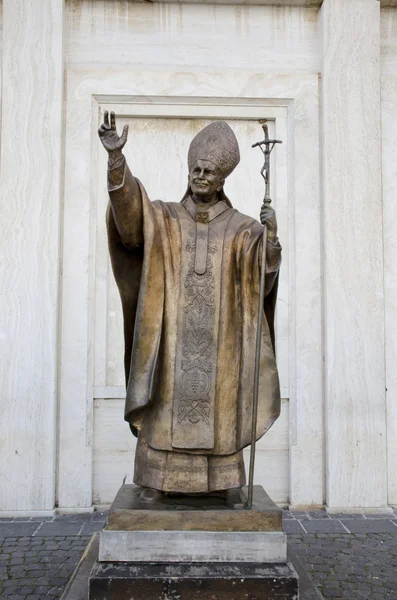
x=118, y=581
x=193, y=513
x=93, y=580
x=192, y=529
x=187, y=548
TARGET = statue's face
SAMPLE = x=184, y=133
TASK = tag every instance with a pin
x=205, y=180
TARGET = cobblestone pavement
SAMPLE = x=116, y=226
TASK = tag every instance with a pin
x=345, y=556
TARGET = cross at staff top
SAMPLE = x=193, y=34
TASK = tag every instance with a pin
x=266, y=146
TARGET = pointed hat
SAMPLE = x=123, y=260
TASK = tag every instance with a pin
x=218, y=144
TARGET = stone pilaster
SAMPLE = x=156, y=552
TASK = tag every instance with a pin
x=355, y=412
x=30, y=231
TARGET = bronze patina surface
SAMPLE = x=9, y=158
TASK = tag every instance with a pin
x=189, y=279
x=191, y=513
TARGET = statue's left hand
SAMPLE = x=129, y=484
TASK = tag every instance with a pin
x=268, y=218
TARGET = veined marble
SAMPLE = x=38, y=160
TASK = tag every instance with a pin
x=355, y=415
x=389, y=189
x=31, y=148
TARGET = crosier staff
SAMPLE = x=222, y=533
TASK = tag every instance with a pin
x=266, y=146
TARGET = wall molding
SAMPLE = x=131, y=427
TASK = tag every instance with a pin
x=242, y=93
x=302, y=3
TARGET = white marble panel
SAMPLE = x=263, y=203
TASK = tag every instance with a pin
x=271, y=472
x=388, y=41
x=113, y=450
x=192, y=37
x=389, y=188
x=32, y=89
x=1, y=32
x=353, y=256
x=306, y=377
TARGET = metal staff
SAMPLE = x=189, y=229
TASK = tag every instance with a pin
x=266, y=146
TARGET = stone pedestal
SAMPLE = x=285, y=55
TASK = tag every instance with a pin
x=193, y=529
x=185, y=581
x=188, y=548
x=193, y=513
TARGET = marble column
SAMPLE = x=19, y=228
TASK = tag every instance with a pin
x=355, y=409
x=31, y=148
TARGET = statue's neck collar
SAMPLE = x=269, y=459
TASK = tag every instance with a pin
x=203, y=213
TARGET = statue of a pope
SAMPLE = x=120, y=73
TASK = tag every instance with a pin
x=188, y=274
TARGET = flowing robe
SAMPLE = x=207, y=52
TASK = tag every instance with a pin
x=188, y=277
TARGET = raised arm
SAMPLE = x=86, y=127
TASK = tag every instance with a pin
x=124, y=192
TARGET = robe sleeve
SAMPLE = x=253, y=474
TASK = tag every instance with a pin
x=250, y=252
x=126, y=203
x=273, y=263
x=136, y=258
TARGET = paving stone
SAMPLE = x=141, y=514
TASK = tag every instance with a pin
x=18, y=569
x=59, y=528
x=355, y=516
x=93, y=527
x=287, y=514
x=377, y=516
x=318, y=514
x=300, y=515
x=21, y=519
x=292, y=526
x=323, y=526
x=83, y=518
x=370, y=526
x=17, y=529
x=332, y=592
x=100, y=515
x=42, y=589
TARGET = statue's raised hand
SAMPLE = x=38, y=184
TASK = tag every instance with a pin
x=109, y=137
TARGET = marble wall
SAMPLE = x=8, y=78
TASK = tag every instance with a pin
x=355, y=414
x=389, y=194
x=326, y=78
x=30, y=184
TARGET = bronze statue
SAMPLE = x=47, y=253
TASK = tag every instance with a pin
x=188, y=274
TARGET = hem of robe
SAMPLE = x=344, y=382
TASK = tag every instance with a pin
x=187, y=473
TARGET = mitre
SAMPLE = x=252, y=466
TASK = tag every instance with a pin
x=218, y=144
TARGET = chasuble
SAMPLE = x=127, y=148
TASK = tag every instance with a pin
x=188, y=275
